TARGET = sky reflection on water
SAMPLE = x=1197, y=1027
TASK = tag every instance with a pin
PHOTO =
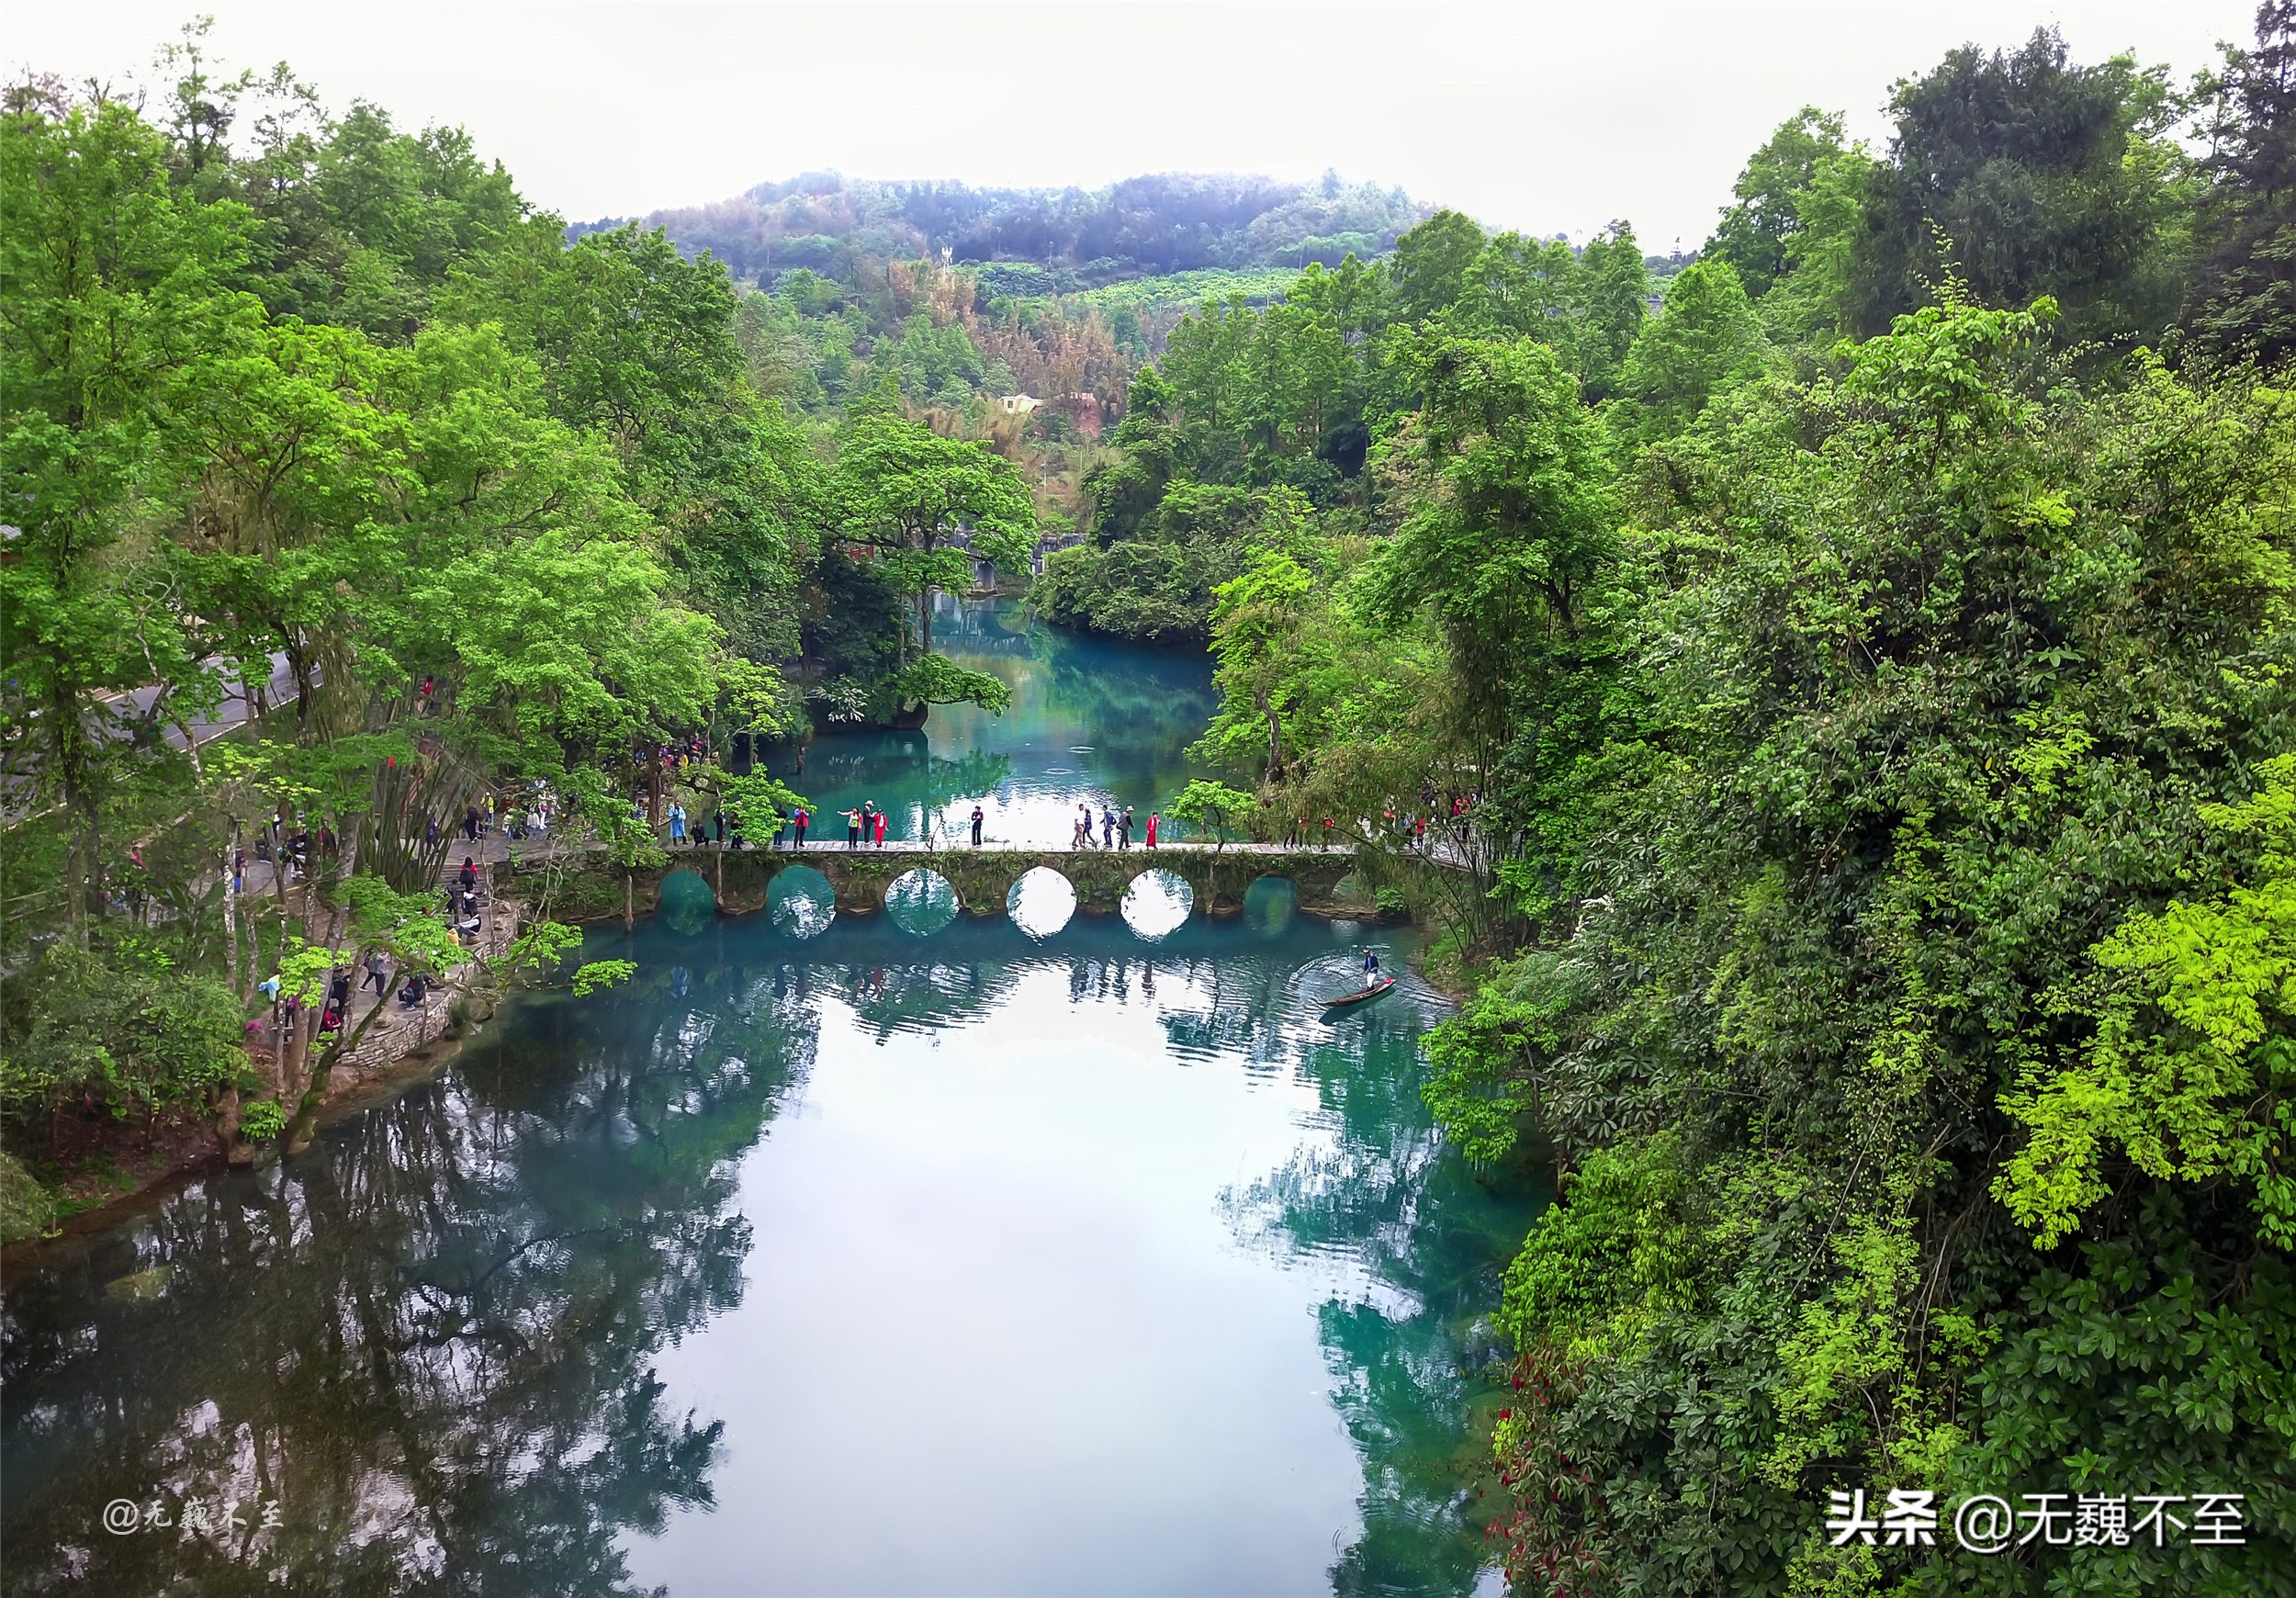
x=856, y=1264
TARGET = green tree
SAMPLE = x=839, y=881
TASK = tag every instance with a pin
x=2020, y=173
x=636, y=344
x=2189, y=1071
x=1509, y=544
x=1431, y=264
x=1707, y=339
x=1754, y=233
x=1214, y=806
x=1612, y=295
x=928, y=506
x=112, y=295
x=2243, y=300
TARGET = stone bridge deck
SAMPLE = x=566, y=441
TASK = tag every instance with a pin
x=1327, y=878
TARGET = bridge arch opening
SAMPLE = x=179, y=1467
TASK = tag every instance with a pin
x=921, y=901
x=800, y=902
x=1157, y=904
x=687, y=904
x=1041, y=902
x=1270, y=906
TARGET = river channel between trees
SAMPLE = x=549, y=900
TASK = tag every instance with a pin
x=871, y=1254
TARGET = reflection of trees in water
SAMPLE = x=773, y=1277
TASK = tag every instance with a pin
x=918, y=996
x=971, y=775
x=899, y=771
x=1385, y=1195
x=1089, y=684
x=434, y=1339
x=1244, y=1009
x=430, y=1340
x=965, y=626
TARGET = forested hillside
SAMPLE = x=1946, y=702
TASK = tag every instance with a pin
x=1044, y=240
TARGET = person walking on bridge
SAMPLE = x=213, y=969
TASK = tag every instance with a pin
x=881, y=830
x=1153, y=819
x=977, y=819
x=852, y=828
x=802, y=819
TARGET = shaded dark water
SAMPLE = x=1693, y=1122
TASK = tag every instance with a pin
x=858, y=1263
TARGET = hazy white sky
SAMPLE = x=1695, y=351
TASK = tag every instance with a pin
x=1544, y=117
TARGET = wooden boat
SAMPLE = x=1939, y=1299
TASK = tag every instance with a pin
x=1360, y=994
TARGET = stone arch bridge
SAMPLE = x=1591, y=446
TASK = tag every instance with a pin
x=1328, y=880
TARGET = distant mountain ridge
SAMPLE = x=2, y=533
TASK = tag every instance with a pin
x=1041, y=241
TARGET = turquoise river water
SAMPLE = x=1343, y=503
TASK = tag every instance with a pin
x=824, y=1257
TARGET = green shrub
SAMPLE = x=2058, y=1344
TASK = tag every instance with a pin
x=262, y=1120
x=26, y=1208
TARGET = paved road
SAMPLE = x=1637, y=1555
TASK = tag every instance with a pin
x=230, y=715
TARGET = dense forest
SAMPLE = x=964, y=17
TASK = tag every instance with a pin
x=1856, y=675
x=1831, y=696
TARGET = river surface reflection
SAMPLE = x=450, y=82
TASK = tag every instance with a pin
x=864, y=1263
x=1092, y=721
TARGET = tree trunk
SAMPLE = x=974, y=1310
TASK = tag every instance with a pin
x=227, y=1138
x=629, y=897
x=230, y=921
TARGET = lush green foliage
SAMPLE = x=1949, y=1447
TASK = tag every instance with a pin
x=1863, y=768
x=1213, y=807
x=334, y=403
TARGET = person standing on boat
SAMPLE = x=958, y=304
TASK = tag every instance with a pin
x=1370, y=967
